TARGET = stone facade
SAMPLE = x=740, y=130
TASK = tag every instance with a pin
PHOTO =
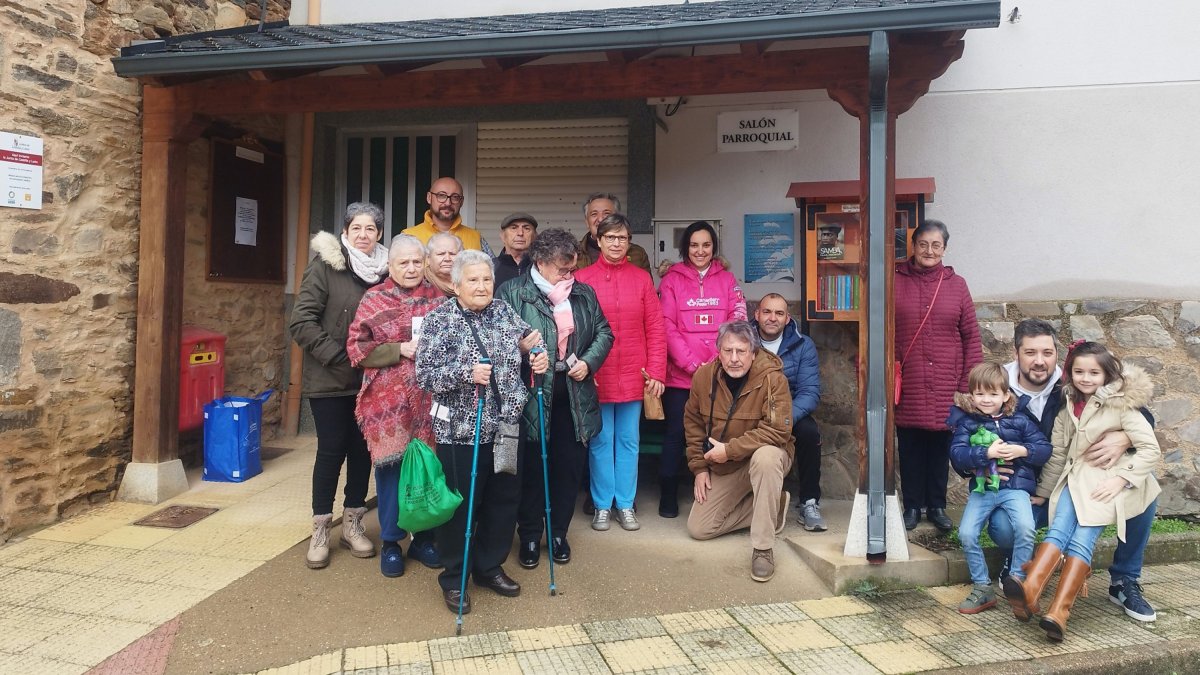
x=68, y=272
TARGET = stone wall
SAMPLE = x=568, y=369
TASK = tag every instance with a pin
x=68, y=272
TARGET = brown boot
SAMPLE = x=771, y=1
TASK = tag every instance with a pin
x=1023, y=595
x=1071, y=584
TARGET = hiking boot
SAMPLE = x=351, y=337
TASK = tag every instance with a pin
x=318, y=546
x=979, y=599
x=353, y=535
x=762, y=565
x=628, y=520
x=1128, y=594
x=391, y=560
x=781, y=515
x=811, y=517
x=600, y=520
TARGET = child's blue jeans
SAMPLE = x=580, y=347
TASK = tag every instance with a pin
x=1067, y=534
x=980, y=505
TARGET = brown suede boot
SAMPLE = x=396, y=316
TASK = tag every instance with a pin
x=1071, y=584
x=1023, y=595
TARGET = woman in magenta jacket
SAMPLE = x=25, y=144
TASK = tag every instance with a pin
x=638, y=361
x=698, y=295
x=935, y=359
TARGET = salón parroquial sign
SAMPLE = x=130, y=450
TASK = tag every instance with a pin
x=758, y=130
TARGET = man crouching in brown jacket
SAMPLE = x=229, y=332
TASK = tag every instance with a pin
x=738, y=423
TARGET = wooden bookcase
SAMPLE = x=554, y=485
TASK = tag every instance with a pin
x=834, y=277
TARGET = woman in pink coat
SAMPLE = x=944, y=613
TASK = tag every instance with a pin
x=698, y=295
x=936, y=347
x=637, y=362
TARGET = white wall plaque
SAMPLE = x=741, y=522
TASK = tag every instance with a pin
x=20, y=171
x=757, y=130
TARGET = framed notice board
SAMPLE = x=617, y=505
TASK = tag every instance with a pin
x=246, y=213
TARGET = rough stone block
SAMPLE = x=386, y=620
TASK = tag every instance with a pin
x=1086, y=327
x=18, y=419
x=1183, y=378
x=1141, y=331
x=42, y=79
x=997, y=335
x=1039, y=309
x=1168, y=312
x=1189, y=316
x=69, y=186
x=54, y=123
x=89, y=240
x=1109, y=306
x=22, y=396
x=1070, y=307
x=1191, y=434
x=1147, y=363
x=27, y=240
x=18, y=289
x=10, y=343
x=990, y=311
x=1171, y=412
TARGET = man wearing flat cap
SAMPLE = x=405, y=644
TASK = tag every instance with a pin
x=517, y=231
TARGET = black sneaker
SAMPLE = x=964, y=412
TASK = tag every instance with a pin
x=1128, y=594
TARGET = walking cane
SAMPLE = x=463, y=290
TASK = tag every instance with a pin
x=480, y=391
x=545, y=471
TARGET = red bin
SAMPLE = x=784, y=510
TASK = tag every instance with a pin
x=201, y=374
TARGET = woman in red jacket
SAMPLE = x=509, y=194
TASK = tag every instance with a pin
x=937, y=344
x=637, y=362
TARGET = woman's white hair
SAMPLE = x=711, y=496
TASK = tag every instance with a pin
x=467, y=258
x=405, y=242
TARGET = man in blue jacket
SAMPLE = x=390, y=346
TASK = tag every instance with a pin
x=1035, y=379
x=781, y=336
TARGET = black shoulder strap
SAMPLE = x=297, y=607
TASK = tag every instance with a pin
x=483, y=351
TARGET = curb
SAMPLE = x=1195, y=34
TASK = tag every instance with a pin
x=1182, y=657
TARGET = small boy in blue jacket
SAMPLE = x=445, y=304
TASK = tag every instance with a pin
x=986, y=432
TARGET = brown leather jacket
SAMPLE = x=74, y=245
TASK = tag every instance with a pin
x=763, y=415
x=589, y=253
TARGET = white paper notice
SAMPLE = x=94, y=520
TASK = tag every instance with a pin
x=245, y=221
x=20, y=171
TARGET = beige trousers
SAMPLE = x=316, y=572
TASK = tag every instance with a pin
x=748, y=497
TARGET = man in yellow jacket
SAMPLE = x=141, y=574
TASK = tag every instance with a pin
x=445, y=199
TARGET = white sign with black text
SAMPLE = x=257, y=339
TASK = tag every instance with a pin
x=758, y=130
x=20, y=171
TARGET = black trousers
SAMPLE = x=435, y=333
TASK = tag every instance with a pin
x=338, y=440
x=495, y=514
x=808, y=458
x=674, y=444
x=924, y=457
x=566, y=457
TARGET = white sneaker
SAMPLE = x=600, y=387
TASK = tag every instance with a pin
x=600, y=520
x=628, y=519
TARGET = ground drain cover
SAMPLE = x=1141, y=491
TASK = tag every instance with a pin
x=176, y=516
x=271, y=452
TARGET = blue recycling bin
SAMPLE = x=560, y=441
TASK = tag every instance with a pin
x=233, y=438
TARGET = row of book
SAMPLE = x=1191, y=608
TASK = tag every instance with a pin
x=838, y=292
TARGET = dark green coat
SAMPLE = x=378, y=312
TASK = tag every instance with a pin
x=590, y=342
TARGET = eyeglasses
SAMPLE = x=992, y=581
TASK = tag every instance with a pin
x=565, y=272
x=615, y=238
x=930, y=246
x=441, y=197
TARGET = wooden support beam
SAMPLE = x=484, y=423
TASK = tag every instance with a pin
x=754, y=48
x=391, y=69
x=619, y=57
x=498, y=64
x=713, y=74
x=166, y=132
x=280, y=74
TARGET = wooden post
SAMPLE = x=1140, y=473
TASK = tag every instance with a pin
x=156, y=472
x=291, y=404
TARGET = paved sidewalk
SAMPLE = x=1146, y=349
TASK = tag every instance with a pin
x=73, y=594
x=901, y=632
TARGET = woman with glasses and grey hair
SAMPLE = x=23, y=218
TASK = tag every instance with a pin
x=568, y=316
x=636, y=366
x=334, y=282
x=456, y=337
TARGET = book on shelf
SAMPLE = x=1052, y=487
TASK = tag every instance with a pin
x=839, y=292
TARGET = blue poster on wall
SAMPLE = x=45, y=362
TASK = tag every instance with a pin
x=770, y=247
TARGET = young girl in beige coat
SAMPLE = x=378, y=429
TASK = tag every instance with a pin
x=1100, y=397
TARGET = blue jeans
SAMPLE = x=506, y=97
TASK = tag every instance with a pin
x=1127, y=559
x=1068, y=535
x=387, y=489
x=981, y=505
x=613, y=455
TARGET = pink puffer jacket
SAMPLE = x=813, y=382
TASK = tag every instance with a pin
x=627, y=298
x=946, y=349
x=694, y=310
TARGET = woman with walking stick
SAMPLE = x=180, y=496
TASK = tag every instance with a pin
x=470, y=360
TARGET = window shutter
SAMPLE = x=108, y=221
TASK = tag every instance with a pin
x=546, y=169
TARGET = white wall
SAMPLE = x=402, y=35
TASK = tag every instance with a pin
x=353, y=11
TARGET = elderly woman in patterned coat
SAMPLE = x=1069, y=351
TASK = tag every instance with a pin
x=937, y=345
x=391, y=409
x=455, y=338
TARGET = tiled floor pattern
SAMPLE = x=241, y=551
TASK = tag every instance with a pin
x=74, y=594
x=903, y=632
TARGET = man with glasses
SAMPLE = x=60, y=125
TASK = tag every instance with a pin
x=597, y=207
x=445, y=199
